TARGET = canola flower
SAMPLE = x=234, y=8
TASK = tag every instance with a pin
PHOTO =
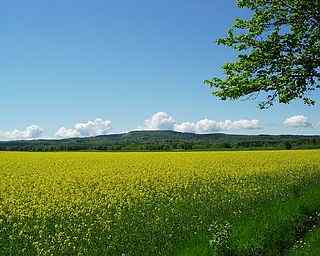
x=79, y=203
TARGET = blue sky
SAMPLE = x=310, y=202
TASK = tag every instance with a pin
x=67, y=62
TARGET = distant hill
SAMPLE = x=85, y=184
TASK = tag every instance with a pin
x=166, y=141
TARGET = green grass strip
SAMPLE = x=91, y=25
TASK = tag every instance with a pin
x=269, y=229
x=273, y=228
x=309, y=246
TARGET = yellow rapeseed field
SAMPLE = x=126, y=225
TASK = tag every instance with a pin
x=88, y=203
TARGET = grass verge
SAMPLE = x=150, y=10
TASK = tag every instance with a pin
x=270, y=229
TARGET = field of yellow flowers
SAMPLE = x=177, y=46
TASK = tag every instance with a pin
x=177, y=203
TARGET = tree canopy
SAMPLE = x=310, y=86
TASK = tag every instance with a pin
x=278, y=53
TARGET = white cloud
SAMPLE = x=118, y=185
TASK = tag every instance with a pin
x=67, y=133
x=243, y=124
x=185, y=127
x=30, y=132
x=90, y=128
x=207, y=126
x=163, y=121
x=297, y=121
x=159, y=121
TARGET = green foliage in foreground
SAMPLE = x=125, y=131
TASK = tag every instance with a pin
x=309, y=246
x=278, y=52
x=196, y=203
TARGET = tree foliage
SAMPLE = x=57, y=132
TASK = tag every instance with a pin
x=165, y=141
x=278, y=52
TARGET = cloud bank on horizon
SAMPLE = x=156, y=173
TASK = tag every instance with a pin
x=29, y=133
x=158, y=121
x=88, y=129
x=297, y=122
x=163, y=121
